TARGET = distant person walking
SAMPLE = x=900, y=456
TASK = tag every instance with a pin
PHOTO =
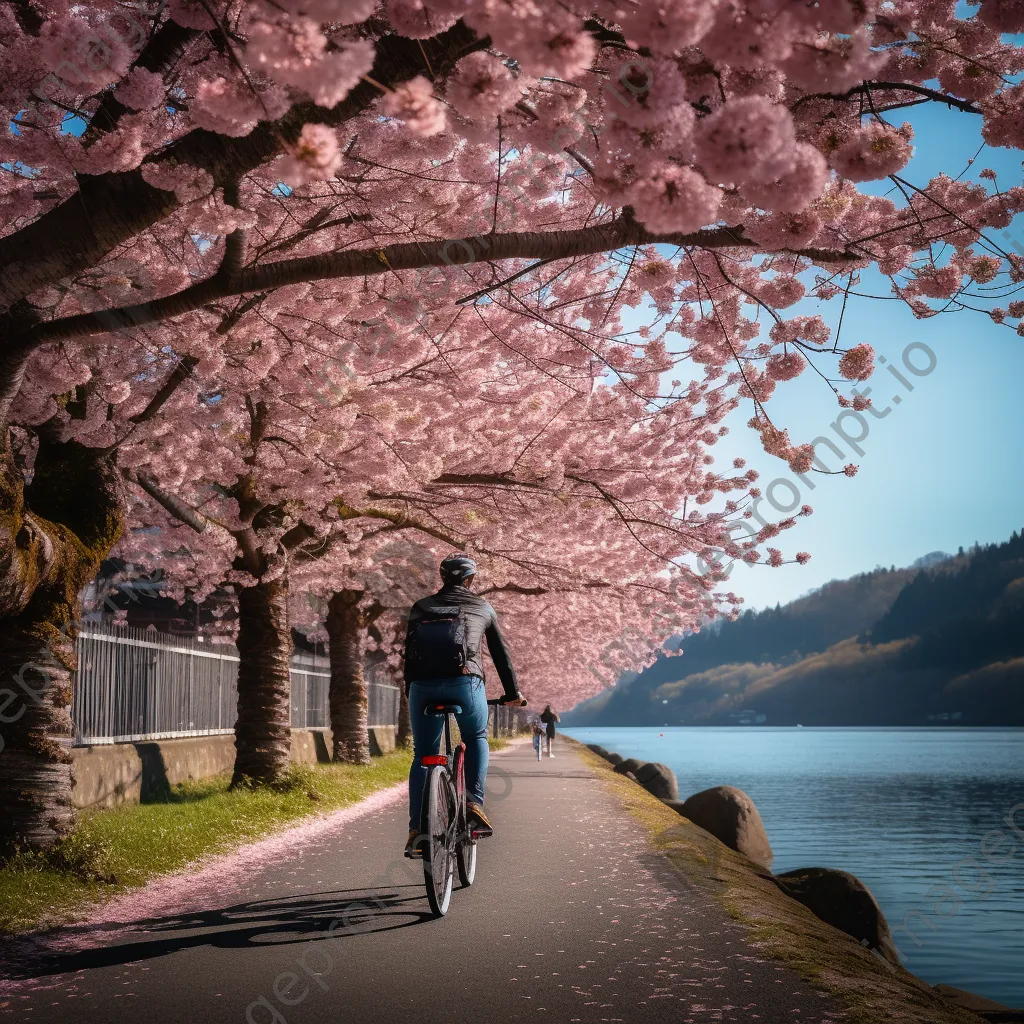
x=549, y=717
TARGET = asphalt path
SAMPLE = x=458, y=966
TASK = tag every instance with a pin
x=573, y=918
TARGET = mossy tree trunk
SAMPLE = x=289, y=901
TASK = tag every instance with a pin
x=54, y=533
x=263, y=728
x=349, y=702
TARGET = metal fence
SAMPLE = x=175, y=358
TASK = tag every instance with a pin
x=504, y=721
x=311, y=677
x=136, y=684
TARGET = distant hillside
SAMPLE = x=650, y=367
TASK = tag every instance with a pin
x=942, y=641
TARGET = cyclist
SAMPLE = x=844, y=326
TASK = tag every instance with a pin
x=538, y=737
x=444, y=664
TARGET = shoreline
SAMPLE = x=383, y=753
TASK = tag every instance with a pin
x=863, y=978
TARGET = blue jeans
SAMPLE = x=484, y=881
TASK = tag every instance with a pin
x=468, y=693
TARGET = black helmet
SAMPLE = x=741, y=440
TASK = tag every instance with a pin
x=457, y=568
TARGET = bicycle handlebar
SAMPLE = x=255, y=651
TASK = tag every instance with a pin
x=500, y=702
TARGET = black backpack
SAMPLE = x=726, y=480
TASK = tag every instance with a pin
x=435, y=646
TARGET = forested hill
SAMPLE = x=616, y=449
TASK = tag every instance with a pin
x=941, y=641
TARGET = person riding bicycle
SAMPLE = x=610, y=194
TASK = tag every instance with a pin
x=444, y=664
x=538, y=736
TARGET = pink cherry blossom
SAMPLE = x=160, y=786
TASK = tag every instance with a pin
x=747, y=140
x=481, y=86
x=672, y=198
x=141, y=90
x=858, y=363
x=785, y=366
x=874, y=151
x=185, y=181
x=315, y=157
x=417, y=20
x=230, y=107
x=1002, y=15
x=414, y=102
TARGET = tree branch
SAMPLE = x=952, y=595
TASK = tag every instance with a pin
x=177, y=377
x=544, y=245
x=865, y=87
x=175, y=506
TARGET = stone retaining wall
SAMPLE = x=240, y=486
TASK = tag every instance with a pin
x=129, y=773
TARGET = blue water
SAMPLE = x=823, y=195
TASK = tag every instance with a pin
x=911, y=812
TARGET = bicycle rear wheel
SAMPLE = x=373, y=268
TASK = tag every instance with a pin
x=438, y=822
x=465, y=845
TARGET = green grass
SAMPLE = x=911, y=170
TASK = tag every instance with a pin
x=113, y=850
x=497, y=742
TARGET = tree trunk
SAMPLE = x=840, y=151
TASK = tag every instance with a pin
x=404, y=734
x=348, y=697
x=263, y=729
x=53, y=536
x=36, y=773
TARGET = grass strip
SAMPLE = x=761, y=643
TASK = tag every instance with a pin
x=120, y=848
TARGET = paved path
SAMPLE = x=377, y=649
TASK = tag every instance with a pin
x=572, y=919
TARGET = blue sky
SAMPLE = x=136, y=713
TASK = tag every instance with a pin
x=945, y=467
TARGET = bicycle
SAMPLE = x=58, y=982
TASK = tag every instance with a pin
x=447, y=844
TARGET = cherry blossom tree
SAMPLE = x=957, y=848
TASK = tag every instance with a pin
x=65, y=506
x=204, y=189
x=561, y=480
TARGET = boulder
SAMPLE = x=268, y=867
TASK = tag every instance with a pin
x=676, y=805
x=731, y=817
x=597, y=749
x=630, y=764
x=658, y=779
x=843, y=901
x=613, y=758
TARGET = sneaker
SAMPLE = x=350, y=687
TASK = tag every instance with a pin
x=412, y=847
x=477, y=822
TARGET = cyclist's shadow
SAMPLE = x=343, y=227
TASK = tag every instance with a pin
x=304, y=918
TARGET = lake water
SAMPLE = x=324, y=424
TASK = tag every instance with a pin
x=908, y=811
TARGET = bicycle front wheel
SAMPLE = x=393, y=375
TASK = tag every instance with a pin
x=438, y=823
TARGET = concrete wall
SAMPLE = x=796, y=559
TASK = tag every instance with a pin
x=118, y=773
x=382, y=739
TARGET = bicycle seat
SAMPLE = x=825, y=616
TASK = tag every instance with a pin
x=443, y=709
